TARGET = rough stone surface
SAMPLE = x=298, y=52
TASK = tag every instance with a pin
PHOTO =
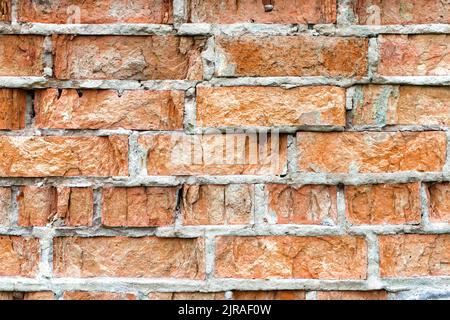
x=414, y=55
x=342, y=257
x=352, y=152
x=5, y=206
x=269, y=295
x=267, y=106
x=94, y=11
x=139, y=206
x=413, y=255
x=439, y=202
x=39, y=206
x=306, y=204
x=150, y=257
x=291, y=56
x=63, y=156
x=376, y=12
x=186, y=296
x=283, y=11
x=106, y=109
x=352, y=295
x=401, y=105
x=38, y=295
x=83, y=295
x=216, y=154
x=25, y=51
x=217, y=204
x=5, y=10
x=12, y=109
x=383, y=204
x=127, y=57
x=19, y=256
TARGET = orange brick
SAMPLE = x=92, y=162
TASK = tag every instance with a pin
x=283, y=11
x=291, y=56
x=91, y=11
x=38, y=295
x=5, y=206
x=217, y=204
x=39, y=206
x=105, y=109
x=439, y=202
x=383, y=204
x=352, y=152
x=215, y=154
x=139, y=206
x=19, y=256
x=25, y=51
x=269, y=106
x=414, y=55
x=263, y=257
x=150, y=257
x=413, y=255
x=12, y=109
x=5, y=10
x=352, y=295
x=41, y=156
x=186, y=296
x=307, y=204
x=83, y=295
x=128, y=57
x=269, y=295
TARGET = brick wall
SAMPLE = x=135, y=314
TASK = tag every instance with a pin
x=199, y=149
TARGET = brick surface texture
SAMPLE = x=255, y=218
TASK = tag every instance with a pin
x=224, y=150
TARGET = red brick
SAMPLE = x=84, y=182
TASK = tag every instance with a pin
x=5, y=205
x=306, y=204
x=19, y=256
x=352, y=152
x=91, y=11
x=39, y=206
x=414, y=55
x=83, y=295
x=269, y=106
x=139, y=206
x=268, y=295
x=105, y=109
x=217, y=204
x=25, y=51
x=5, y=10
x=150, y=257
x=127, y=57
x=291, y=56
x=330, y=257
x=63, y=156
x=439, y=202
x=186, y=296
x=413, y=255
x=38, y=295
x=352, y=295
x=383, y=204
x=215, y=154
x=402, y=12
x=283, y=11
x=12, y=109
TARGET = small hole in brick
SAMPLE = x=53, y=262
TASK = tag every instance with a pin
x=310, y=26
x=59, y=93
x=80, y=93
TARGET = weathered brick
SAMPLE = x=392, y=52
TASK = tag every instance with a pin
x=181, y=154
x=25, y=51
x=84, y=295
x=329, y=257
x=306, y=204
x=291, y=56
x=375, y=12
x=186, y=296
x=282, y=11
x=383, y=204
x=352, y=295
x=5, y=10
x=352, y=152
x=217, y=204
x=139, y=206
x=382, y=105
x=19, y=256
x=269, y=106
x=414, y=255
x=39, y=206
x=17, y=295
x=12, y=109
x=106, y=109
x=63, y=156
x=268, y=295
x=439, y=202
x=127, y=57
x=92, y=11
x=128, y=257
x=414, y=55
x=5, y=206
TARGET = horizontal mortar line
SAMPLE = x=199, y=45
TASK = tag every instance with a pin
x=373, y=30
